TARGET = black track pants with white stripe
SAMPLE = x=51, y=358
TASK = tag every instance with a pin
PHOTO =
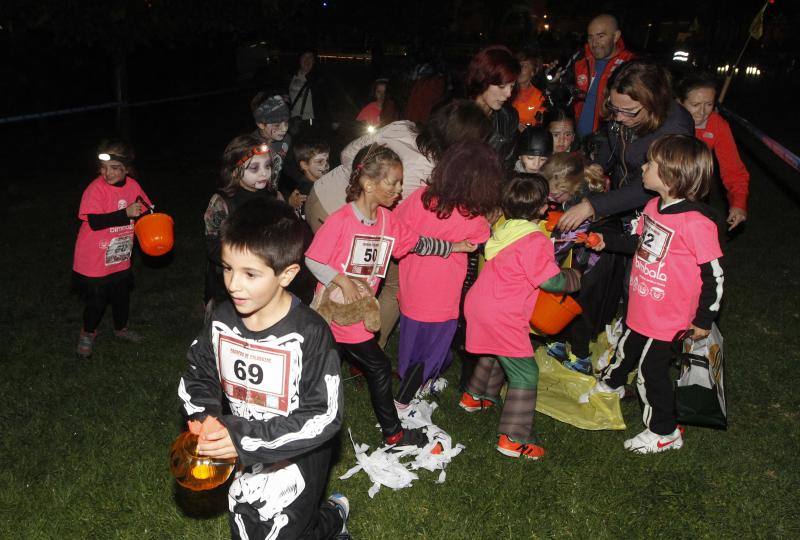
x=652, y=357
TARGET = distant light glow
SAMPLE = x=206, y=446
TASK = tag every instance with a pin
x=680, y=56
x=370, y=129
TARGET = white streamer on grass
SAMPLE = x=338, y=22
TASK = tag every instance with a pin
x=385, y=467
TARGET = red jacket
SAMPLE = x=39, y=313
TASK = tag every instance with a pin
x=529, y=103
x=583, y=76
x=719, y=139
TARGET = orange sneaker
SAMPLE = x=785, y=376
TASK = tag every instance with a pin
x=470, y=404
x=509, y=448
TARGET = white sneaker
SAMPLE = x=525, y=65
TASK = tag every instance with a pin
x=599, y=387
x=648, y=442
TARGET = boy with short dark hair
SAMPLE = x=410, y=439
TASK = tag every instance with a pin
x=273, y=359
x=311, y=157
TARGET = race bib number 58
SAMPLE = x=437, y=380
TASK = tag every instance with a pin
x=254, y=373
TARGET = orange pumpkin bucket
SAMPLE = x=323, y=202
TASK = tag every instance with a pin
x=553, y=312
x=194, y=471
x=155, y=234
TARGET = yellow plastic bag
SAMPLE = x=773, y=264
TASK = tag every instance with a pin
x=560, y=388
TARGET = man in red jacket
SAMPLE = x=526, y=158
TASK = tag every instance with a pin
x=604, y=52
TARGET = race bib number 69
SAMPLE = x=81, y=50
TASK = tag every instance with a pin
x=254, y=373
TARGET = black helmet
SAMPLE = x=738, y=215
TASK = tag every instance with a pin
x=535, y=141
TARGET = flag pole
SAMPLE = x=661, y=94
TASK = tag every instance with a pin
x=732, y=71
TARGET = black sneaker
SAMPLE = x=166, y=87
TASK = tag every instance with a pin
x=408, y=437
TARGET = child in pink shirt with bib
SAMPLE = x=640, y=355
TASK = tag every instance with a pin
x=519, y=262
x=675, y=283
x=357, y=241
x=102, y=258
x=464, y=187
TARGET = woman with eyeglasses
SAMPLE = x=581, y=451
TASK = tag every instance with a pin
x=638, y=109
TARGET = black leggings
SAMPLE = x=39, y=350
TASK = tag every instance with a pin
x=99, y=292
x=370, y=358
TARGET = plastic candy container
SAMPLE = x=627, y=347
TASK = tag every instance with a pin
x=193, y=471
x=155, y=234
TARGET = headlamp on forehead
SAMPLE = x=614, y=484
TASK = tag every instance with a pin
x=259, y=150
x=112, y=157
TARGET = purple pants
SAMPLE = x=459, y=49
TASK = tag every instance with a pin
x=426, y=343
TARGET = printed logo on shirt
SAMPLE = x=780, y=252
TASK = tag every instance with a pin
x=255, y=374
x=121, y=204
x=582, y=79
x=708, y=135
x=369, y=255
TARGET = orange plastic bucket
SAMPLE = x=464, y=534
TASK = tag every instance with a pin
x=155, y=234
x=553, y=312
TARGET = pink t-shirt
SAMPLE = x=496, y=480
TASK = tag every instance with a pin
x=352, y=248
x=430, y=287
x=104, y=252
x=664, y=289
x=371, y=114
x=499, y=305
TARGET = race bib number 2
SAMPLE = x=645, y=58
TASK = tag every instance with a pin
x=254, y=373
x=654, y=241
x=369, y=255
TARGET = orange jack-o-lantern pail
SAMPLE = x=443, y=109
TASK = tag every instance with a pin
x=155, y=234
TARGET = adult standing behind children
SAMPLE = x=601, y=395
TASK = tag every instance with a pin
x=308, y=97
x=697, y=92
x=530, y=100
x=604, y=52
x=639, y=108
x=490, y=82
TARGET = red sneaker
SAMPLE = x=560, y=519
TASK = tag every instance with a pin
x=509, y=448
x=470, y=404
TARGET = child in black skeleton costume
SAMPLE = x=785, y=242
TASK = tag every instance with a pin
x=273, y=359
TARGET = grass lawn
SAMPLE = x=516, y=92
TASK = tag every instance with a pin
x=83, y=444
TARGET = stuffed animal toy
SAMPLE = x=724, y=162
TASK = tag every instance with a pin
x=330, y=304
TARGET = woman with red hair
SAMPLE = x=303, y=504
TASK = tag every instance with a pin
x=490, y=82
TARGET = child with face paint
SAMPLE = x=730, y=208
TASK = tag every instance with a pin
x=271, y=115
x=246, y=174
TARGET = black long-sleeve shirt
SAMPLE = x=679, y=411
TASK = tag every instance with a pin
x=283, y=383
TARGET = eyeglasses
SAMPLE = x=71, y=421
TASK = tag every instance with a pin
x=616, y=110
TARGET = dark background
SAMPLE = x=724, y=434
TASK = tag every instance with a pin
x=59, y=54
